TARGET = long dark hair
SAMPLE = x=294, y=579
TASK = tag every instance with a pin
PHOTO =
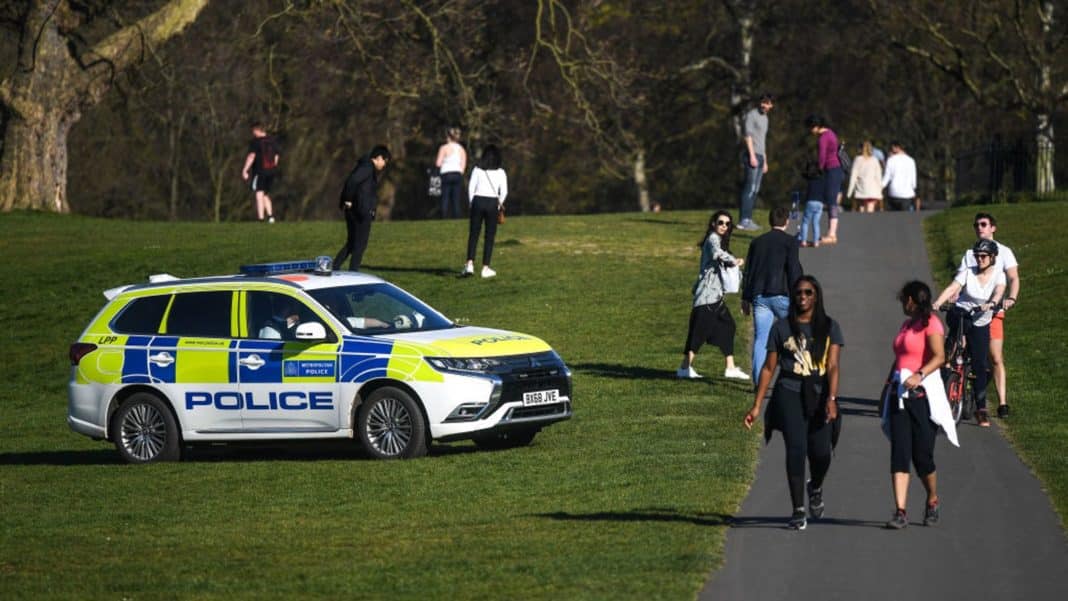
x=921, y=296
x=725, y=240
x=821, y=324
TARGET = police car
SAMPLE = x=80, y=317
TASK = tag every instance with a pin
x=296, y=351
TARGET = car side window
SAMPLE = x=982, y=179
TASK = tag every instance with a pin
x=274, y=316
x=142, y=315
x=200, y=314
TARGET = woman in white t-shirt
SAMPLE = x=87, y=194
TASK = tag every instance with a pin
x=978, y=290
x=451, y=162
x=487, y=190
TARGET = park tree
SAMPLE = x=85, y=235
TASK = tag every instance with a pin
x=1008, y=55
x=58, y=75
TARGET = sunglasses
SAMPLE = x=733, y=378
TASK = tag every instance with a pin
x=805, y=292
x=981, y=255
x=723, y=223
x=981, y=224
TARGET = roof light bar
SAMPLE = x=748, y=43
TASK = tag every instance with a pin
x=262, y=269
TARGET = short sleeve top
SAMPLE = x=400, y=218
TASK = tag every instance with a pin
x=910, y=345
x=974, y=293
x=795, y=356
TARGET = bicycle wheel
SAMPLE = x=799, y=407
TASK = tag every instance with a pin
x=955, y=392
x=967, y=399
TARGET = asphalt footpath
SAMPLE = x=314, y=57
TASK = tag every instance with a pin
x=999, y=537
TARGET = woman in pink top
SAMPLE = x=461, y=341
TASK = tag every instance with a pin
x=918, y=354
x=833, y=176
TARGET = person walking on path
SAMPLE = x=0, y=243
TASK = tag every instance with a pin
x=813, y=205
x=754, y=159
x=865, y=180
x=806, y=348
x=773, y=267
x=985, y=228
x=261, y=164
x=359, y=201
x=710, y=320
x=452, y=163
x=487, y=190
x=899, y=179
x=978, y=291
x=915, y=405
x=827, y=157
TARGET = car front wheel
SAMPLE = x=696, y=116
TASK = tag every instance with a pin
x=391, y=426
x=144, y=430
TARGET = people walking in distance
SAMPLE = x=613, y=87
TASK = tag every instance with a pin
x=985, y=228
x=772, y=267
x=710, y=320
x=899, y=179
x=915, y=405
x=359, y=201
x=487, y=190
x=865, y=180
x=978, y=290
x=827, y=158
x=261, y=165
x=813, y=204
x=452, y=163
x=754, y=159
x=806, y=348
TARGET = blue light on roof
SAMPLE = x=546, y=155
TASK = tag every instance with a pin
x=263, y=269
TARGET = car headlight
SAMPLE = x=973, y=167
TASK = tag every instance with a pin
x=477, y=365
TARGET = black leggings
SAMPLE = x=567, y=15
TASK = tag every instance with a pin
x=912, y=435
x=978, y=338
x=804, y=437
x=483, y=208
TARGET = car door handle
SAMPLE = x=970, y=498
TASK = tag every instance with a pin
x=252, y=362
x=162, y=359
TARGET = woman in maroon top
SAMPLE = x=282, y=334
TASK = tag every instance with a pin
x=833, y=176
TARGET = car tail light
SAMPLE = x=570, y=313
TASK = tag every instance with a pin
x=79, y=350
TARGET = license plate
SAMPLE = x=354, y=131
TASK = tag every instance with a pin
x=540, y=397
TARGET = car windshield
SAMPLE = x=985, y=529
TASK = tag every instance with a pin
x=378, y=309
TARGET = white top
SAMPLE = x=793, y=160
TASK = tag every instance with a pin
x=900, y=175
x=937, y=403
x=492, y=183
x=865, y=179
x=1005, y=260
x=451, y=162
x=974, y=293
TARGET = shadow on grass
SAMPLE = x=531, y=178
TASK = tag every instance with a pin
x=642, y=515
x=658, y=221
x=614, y=370
x=97, y=457
x=438, y=271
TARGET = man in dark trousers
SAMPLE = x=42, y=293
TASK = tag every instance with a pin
x=771, y=268
x=359, y=200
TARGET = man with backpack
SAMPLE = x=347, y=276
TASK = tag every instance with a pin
x=261, y=164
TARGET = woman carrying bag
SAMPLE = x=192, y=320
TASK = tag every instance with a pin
x=710, y=321
x=487, y=190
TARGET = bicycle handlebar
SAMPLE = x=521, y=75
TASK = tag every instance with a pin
x=947, y=307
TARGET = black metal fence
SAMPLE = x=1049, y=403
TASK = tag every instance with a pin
x=994, y=171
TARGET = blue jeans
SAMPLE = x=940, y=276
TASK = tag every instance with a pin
x=751, y=186
x=813, y=210
x=766, y=309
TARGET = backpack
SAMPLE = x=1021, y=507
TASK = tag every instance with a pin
x=268, y=150
x=844, y=158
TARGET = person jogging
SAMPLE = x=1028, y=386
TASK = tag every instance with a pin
x=915, y=405
x=806, y=347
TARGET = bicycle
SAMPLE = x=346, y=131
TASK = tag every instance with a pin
x=957, y=372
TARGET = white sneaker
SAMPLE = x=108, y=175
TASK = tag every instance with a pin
x=469, y=269
x=735, y=374
x=270, y=219
x=487, y=272
x=687, y=374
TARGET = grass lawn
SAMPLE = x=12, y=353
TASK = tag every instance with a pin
x=627, y=500
x=1036, y=333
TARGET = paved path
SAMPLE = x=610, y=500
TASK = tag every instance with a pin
x=999, y=537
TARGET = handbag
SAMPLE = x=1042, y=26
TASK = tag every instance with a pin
x=500, y=216
x=731, y=275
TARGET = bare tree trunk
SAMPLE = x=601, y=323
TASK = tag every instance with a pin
x=642, y=181
x=742, y=88
x=174, y=162
x=1044, y=183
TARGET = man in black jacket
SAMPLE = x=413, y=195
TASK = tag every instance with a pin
x=771, y=268
x=359, y=200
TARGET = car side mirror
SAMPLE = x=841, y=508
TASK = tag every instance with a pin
x=311, y=331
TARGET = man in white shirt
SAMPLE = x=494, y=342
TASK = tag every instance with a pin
x=985, y=227
x=899, y=179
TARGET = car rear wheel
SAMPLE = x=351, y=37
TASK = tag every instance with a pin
x=391, y=426
x=144, y=430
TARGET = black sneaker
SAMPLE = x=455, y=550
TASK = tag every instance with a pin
x=899, y=521
x=930, y=515
x=797, y=520
x=1003, y=411
x=815, y=502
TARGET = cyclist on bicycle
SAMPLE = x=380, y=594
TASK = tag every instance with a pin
x=978, y=290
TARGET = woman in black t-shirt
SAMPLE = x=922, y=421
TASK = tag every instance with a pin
x=804, y=406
